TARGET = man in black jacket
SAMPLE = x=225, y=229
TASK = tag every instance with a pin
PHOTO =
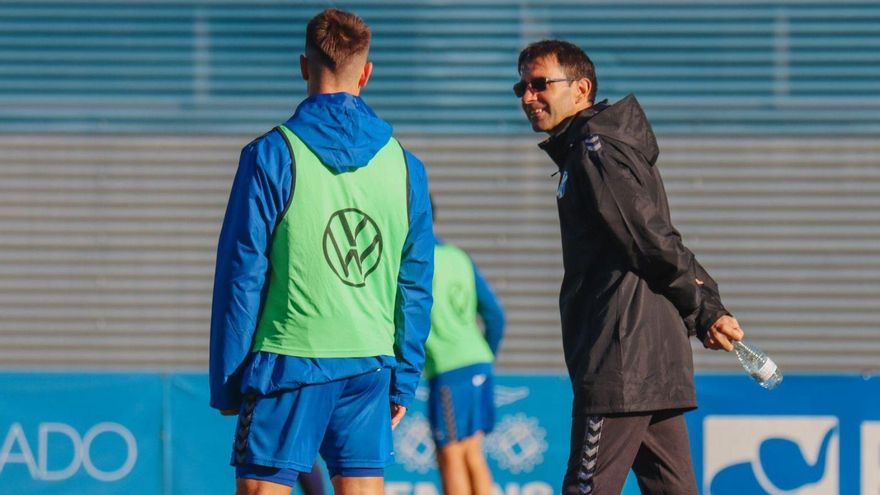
x=632, y=293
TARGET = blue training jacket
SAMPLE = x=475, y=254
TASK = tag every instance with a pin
x=490, y=310
x=345, y=134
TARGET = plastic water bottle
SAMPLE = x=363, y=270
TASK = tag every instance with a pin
x=758, y=364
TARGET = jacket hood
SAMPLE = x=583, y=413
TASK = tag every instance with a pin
x=341, y=129
x=624, y=122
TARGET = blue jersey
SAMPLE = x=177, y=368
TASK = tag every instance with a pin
x=345, y=134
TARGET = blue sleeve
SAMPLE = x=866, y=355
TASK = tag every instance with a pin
x=259, y=194
x=414, y=298
x=490, y=311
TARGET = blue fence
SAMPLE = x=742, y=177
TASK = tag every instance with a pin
x=216, y=67
x=151, y=434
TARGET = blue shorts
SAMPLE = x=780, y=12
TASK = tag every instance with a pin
x=347, y=421
x=461, y=403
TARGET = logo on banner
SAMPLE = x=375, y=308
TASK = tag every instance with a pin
x=518, y=443
x=508, y=395
x=870, y=457
x=413, y=445
x=771, y=455
x=422, y=394
x=61, y=451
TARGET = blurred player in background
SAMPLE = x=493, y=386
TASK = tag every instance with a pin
x=312, y=482
x=322, y=291
x=632, y=292
x=458, y=365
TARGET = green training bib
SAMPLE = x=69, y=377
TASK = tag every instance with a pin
x=455, y=340
x=335, y=258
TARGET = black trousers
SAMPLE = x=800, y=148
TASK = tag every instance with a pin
x=654, y=444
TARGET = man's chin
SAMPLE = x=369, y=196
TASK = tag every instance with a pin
x=539, y=126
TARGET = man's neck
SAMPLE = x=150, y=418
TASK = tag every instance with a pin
x=325, y=81
x=333, y=88
x=562, y=126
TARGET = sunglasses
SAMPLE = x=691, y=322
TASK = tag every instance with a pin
x=537, y=85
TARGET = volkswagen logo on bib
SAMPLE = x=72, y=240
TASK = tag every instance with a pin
x=352, y=246
x=458, y=299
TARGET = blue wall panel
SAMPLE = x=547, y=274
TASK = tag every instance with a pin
x=78, y=433
x=154, y=435
x=807, y=436
x=199, y=66
x=200, y=440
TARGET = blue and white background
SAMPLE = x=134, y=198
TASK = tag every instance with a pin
x=120, y=130
x=153, y=434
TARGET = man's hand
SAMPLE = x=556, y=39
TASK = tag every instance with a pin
x=229, y=412
x=722, y=332
x=397, y=413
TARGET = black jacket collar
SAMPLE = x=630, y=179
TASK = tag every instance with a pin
x=569, y=132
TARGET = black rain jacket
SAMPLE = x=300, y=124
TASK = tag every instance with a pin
x=630, y=296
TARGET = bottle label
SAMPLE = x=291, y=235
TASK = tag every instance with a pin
x=766, y=370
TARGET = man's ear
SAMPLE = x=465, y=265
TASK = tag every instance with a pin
x=582, y=90
x=365, y=74
x=304, y=67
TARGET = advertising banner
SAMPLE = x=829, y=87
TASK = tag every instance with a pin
x=813, y=435
x=527, y=452
x=200, y=440
x=151, y=434
x=72, y=434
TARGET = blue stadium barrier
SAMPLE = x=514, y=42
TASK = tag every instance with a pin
x=153, y=434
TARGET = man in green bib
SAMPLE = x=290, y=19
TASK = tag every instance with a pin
x=322, y=292
x=461, y=404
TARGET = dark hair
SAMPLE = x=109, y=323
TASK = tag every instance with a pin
x=334, y=36
x=574, y=62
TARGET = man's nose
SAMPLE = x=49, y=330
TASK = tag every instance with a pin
x=529, y=95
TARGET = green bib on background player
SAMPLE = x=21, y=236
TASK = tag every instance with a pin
x=335, y=258
x=455, y=340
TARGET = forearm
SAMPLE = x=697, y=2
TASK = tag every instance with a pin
x=413, y=321
x=414, y=298
x=259, y=193
x=645, y=236
x=711, y=307
x=409, y=348
x=490, y=310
